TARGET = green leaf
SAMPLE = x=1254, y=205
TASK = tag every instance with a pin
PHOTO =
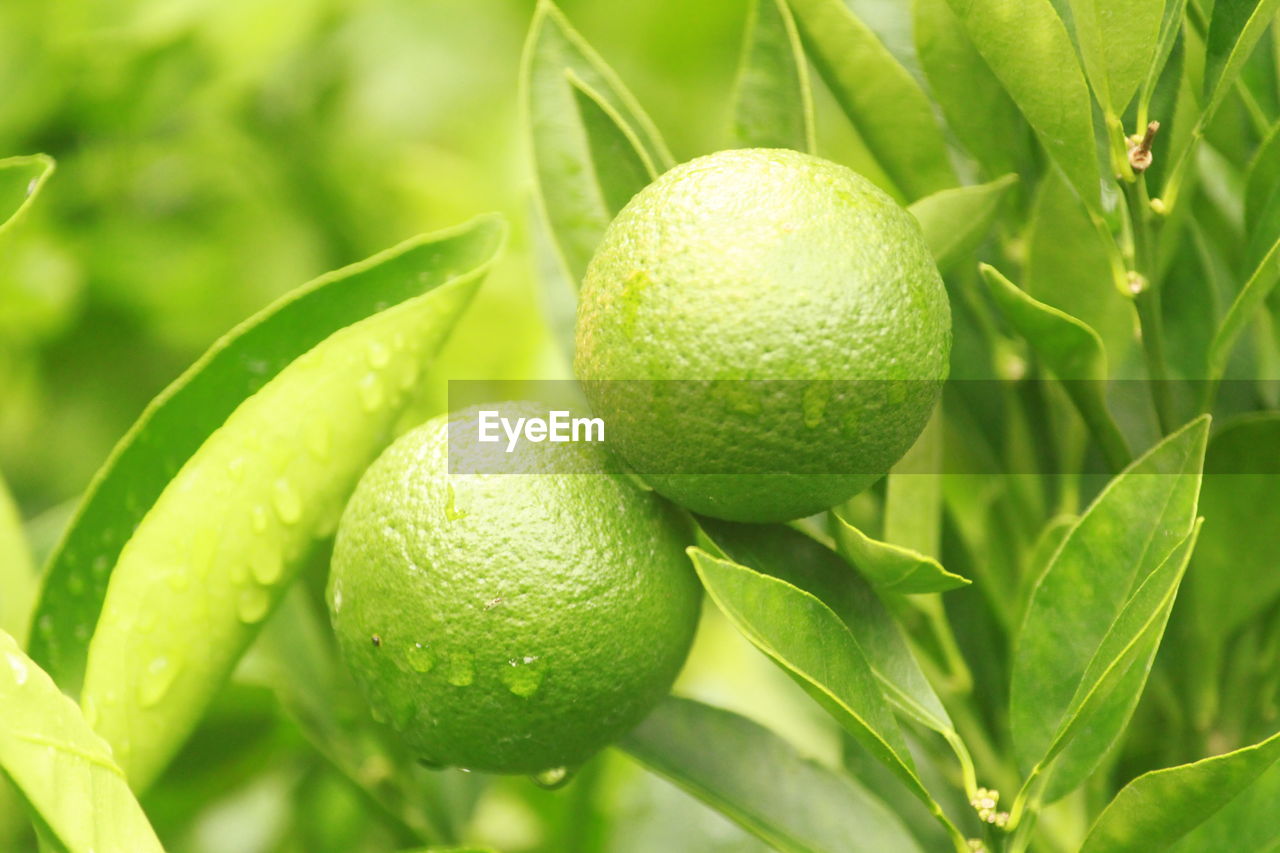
x=812, y=645
x=1243, y=310
x=1126, y=533
x=1234, y=578
x=21, y=179
x=1114, y=681
x=956, y=221
x=756, y=778
x=893, y=569
x=64, y=771
x=1156, y=810
x=17, y=574
x=1234, y=31
x=189, y=411
x=789, y=555
x=885, y=104
x=1262, y=180
x=1248, y=822
x=1118, y=43
x=1028, y=49
x=215, y=551
x=570, y=98
x=1071, y=350
x=979, y=112
x=773, y=104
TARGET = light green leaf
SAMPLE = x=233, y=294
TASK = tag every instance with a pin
x=17, y=574
x=559, y=68
x=812, y=645
x=1125, y=534
x=1234, y=31
x=889, y=110
x=216, y=550
x=891, y=568
x=1071, y=350
x=621, y=166
x=956, y=221
x=1262, y=179
x=1243, y=310
x=189, y=411
x=1248, y=822
x=979, y=112
x=1028, y=49
x=1113, y=683
x=784, y=553
x=773, y=104
x=64, y=771
x=1156, y=810
x=21, y=179
x=1118, y=43
x=753, y=776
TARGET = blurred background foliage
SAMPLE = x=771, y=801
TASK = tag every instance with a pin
x=213, y=155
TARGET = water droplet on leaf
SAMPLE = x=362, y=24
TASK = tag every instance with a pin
x=556, y=777
x=371, y=395
x=252, y=604
x=287, y=503
x=157, y=678
x=259, y=517
x=379, y=355
x=267, y=566
x=18, y=666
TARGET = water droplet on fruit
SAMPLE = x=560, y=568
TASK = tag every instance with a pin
x=287, y=503
x=259, y=519
x=419, y=658
x=379, y=355
x=461, y=671
x=157, y=678
x=451, y=511
x=816, y=397
x=252, y=604
x=18, y=666
x=236, y=468
x=267, y=566
x=370, y=389
x=556, y=777
x=523, y=675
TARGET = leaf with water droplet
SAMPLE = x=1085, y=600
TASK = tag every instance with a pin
x=20, y=180
x=241, y=584
x=553, y=778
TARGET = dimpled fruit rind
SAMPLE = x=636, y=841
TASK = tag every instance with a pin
x=509, y=622
x=770, y=265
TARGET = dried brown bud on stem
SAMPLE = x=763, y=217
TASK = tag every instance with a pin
x=1140, y=148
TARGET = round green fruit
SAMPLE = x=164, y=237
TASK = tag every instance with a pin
x=509, y=622
x=782, y=324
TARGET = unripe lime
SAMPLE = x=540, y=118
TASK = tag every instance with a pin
x=785, y=270
x=509, y=622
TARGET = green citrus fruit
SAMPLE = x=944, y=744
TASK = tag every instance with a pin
x=509, y=622
x=784, y=327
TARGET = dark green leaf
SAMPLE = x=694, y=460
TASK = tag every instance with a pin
x=1126, y=533
x=888, y=108
x=1244, y=309
x=1263, y=179
x=189, y=411
x=63, y=770
x=758, y=780
x=17, y=575
x=1027, y=47
x=773, y=105
x=956, y=221
x=1234, y=31
x=1154, y=811
x=891, y=568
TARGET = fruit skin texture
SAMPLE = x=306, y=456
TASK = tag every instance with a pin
x=523, y=621
x=762, y=264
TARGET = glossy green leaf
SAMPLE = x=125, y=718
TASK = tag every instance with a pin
x=1118, y=41
x=569, y=177
x=213, y=554
x=1156, y=810
x=773, y=104
x=1234, y=31
x=1028, y=49
x=893, y=569
x=1248, y=822
x=980, y=113
x=63, y=770
x=184, y=415
x=756, y=778
x=1171, y=24
x=1233, y=577
x=1071, y=350
x=1114, y=681
x=1244, y=309
x=21, y=179
x=956, y=221
x=815, y=647
x=17, y=574
x=1125, y=534
x=784, y=553
x=885, y=104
